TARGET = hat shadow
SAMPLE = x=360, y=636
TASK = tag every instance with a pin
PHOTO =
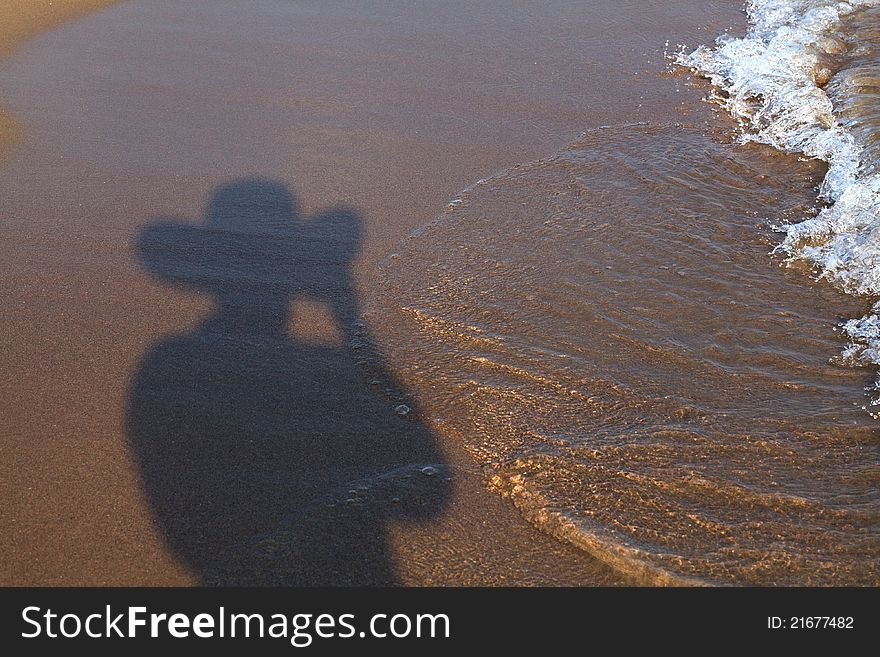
x=265, y=459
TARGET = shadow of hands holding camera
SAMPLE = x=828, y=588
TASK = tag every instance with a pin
x=265, y=459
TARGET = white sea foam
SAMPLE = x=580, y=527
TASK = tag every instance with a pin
x=771, y=80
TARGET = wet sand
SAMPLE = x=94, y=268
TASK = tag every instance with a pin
x=380, y=107
x=22, y=19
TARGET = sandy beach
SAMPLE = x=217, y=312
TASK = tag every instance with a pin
x=23, y=19
x=144, y=130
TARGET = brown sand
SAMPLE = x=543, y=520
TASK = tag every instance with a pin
x=83, y=312
x=23, y=19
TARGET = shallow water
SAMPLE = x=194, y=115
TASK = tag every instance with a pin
x=804, y=79
x=854, y=89
x=604, y=330
x=135, y=118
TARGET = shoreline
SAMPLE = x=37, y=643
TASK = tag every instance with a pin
x=429, y=155
x=23, y=20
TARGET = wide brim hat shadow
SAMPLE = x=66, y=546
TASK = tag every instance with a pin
x=253, y=239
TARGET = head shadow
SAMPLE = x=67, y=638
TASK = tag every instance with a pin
x=267, y=460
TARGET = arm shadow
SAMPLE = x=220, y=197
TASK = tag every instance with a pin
x=266, y=460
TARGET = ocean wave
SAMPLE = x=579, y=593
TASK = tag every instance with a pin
x=625, y=377
x=806, y=79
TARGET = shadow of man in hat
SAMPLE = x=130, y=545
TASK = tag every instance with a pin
x=267, y=460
